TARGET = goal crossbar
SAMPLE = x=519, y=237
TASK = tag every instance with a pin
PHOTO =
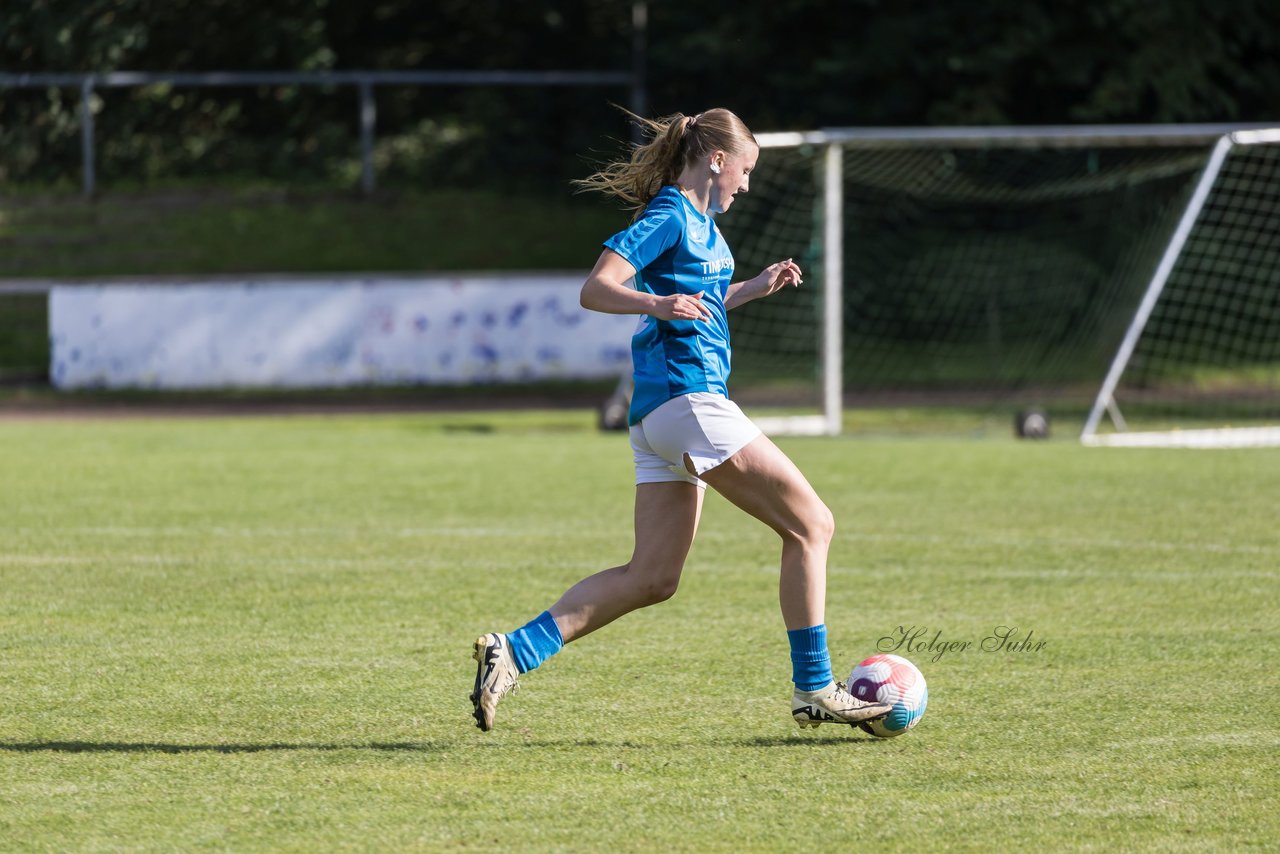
x=1049, y=136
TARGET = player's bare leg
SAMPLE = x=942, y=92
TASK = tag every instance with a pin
x=666, y=520
x=764, y=482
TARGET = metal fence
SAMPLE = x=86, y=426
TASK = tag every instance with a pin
x=364, y=81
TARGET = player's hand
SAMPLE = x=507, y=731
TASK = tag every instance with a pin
x=682, y=307
x=777, y=276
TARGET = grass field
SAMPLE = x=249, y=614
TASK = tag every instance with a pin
x=254, y=634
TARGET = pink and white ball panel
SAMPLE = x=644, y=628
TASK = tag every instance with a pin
x=890, y=679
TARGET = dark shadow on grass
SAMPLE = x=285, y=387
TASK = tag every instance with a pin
x=459, y=427
x=806, y=740
x=162, y=747
x=757, y=741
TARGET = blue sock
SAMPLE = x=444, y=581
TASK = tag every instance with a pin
x=535, y=642
x=810, y=660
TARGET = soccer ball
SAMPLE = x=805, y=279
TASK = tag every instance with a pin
x=1031, y=424
x=890, y=679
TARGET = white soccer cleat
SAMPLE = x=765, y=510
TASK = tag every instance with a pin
x=496, y=675
x=834, y=704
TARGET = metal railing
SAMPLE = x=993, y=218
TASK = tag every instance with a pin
x=364, y=81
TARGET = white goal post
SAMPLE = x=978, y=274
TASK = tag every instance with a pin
x=831, y=348
x=977, y=267
x=1194, y=215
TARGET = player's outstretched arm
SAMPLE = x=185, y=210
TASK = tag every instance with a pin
x=606, y=290
x=772, y=279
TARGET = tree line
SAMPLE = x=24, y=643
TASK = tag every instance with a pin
x=785, y=64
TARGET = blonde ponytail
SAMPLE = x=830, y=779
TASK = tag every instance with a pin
x=674, y=142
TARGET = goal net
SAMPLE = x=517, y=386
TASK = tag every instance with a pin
x=993, y=268
x=787, y=348
x=1199, y=365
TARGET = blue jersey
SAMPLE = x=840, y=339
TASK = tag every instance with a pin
x=677, y=249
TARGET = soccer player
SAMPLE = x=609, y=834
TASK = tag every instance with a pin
x=685, y=432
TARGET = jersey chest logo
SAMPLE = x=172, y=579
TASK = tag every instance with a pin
x=717, y=265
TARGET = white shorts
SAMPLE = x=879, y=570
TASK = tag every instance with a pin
x=708, y=427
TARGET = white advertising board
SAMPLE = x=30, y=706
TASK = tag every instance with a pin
x=330, y=332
